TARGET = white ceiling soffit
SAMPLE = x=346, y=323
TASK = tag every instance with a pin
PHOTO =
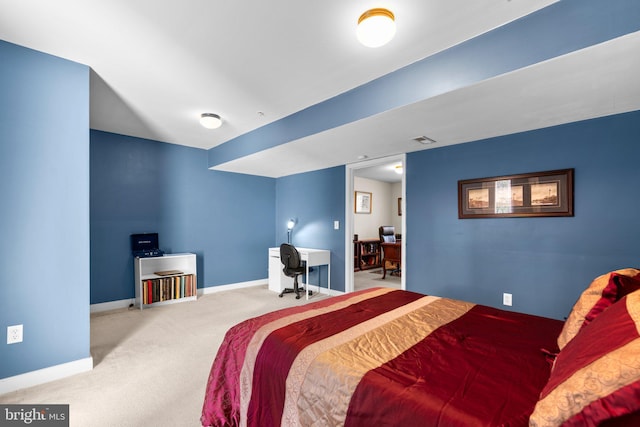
x=593, y=82
x=156, y=65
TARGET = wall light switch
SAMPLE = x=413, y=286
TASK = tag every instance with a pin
x=336, y=225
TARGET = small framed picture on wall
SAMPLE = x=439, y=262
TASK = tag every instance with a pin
x=362, y=202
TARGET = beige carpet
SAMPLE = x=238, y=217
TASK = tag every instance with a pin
x=371, y=278
x=151, y=366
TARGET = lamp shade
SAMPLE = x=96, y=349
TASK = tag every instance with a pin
x=376, y=27
x=290, y=224
x=210, y=120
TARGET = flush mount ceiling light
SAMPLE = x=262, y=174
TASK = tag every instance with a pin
x=398, y=169
x=210, y=120
x=376, y=27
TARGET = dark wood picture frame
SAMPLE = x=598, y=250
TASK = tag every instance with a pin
x=535, y=194
x=399, y=206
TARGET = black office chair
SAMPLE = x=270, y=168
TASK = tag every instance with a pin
x=387, y=233
x=391, y=250
x=293, y=267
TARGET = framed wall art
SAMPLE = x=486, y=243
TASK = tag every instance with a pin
x=363, y=202
x=547, y=193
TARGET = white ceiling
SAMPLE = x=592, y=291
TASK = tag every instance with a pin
x=156, y=65
x=385, y=171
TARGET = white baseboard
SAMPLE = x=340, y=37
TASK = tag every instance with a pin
x=45, y=375
x=125, y=303
x=239, y=285
x=111, y=305
x=261, y=282
x=314, y=288
x=331, y=292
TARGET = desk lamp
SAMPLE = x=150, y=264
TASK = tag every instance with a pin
x=290, y=225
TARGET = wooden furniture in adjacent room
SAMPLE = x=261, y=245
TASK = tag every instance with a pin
x=165, y=279
x=391, y=257
x=391, y=249
x=366, y=254
x=387, y=233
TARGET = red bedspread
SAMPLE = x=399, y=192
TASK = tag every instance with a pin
x=381, y=357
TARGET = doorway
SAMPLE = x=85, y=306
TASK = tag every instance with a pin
x=372, y=170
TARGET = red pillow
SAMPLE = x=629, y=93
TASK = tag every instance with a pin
x=596, y=376
x=619, y=285
x=601, y=293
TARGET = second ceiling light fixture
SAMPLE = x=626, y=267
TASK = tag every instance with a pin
x=376, y=27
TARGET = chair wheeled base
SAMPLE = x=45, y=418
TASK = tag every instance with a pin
x=292, y=290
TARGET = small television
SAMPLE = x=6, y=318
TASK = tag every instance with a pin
x=145, y=245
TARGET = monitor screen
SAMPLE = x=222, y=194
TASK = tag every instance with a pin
x=144, y=242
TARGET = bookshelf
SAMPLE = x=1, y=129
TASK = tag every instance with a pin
x=165, y=279
x=366, y=254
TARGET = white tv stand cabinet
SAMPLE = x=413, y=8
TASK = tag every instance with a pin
x=177, y=283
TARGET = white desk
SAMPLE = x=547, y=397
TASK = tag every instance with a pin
x=312, y=257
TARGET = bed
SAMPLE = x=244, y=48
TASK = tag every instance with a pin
x=384, y=357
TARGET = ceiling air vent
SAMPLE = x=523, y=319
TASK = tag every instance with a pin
x=424, y=140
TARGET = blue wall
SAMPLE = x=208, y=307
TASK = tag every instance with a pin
x=315, y=200
x=139, y=186
x=544, y=262
x=229, y=220
x=44, y=188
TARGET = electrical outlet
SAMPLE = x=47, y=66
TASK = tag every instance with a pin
x=506, y=299
x=14, y=334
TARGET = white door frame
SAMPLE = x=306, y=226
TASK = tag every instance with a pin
x=349, y=214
